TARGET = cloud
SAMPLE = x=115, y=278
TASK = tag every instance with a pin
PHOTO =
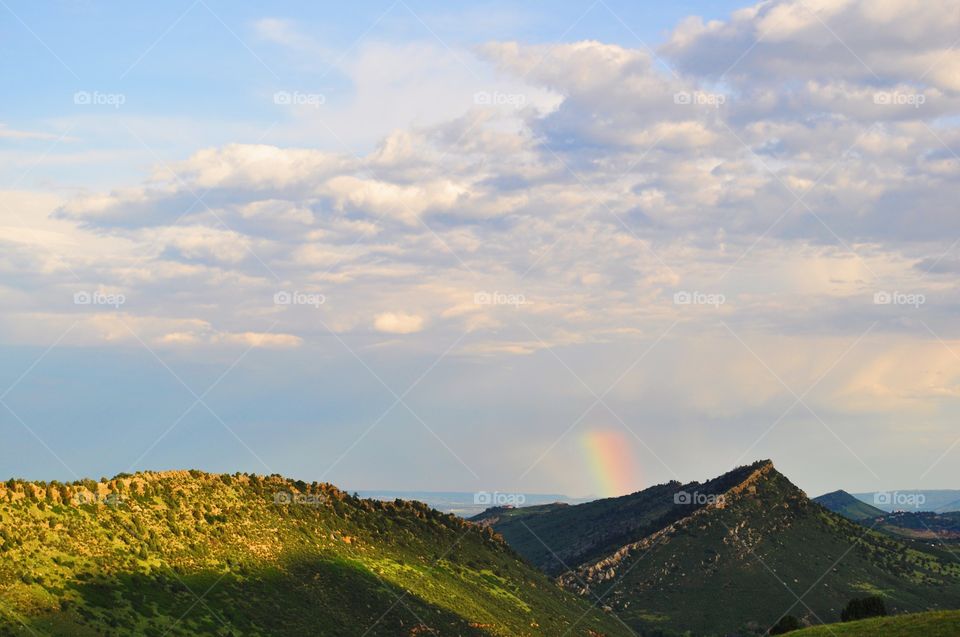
x=288, y=34
x=262, y=339
x=585, y=176
x=11, y=133
x=753, y=159
x=853, y=40
x=398, y=323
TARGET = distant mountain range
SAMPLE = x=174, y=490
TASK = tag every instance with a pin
x=937, y=500
x=728, y=556
x=912, y=525
x=467, y=504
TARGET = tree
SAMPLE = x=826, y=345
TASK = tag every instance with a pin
x=786, y=624
x=864, y=607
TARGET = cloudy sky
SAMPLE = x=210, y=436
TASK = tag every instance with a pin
x=575, y=247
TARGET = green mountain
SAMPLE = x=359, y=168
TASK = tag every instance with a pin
x=933, y=624
x=731, y=555
x=189, y=553
x=848, y=506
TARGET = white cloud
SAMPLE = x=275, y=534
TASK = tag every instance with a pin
x=398, y=323
x=12, y=133
x=599, y=196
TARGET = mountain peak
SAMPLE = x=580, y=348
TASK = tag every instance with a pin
x=754, y=527
x=847, y=505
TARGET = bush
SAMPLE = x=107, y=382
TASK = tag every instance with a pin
x=864, y=607
x=786, y=624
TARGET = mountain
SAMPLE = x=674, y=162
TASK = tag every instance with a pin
x=466, y=504
x=919, y=525
x=556, y=537
x=937, y=500
x=848, y=506
x=190, y=553
x=924, y=525
x=730, y=555
x=933, y=624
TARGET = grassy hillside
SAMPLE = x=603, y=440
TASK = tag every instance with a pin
x=848, y=506
x=936, y=624
x=187, y=553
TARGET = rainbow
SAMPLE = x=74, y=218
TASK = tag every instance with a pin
x=608, y=452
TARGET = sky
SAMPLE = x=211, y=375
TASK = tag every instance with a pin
x=565, y=247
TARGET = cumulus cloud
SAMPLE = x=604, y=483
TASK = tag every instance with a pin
x=854, y=40
x=750, y=171
x=723, y=216
x=398, y=323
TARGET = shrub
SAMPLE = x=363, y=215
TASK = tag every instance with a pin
x=786, y=624
x=864, y=607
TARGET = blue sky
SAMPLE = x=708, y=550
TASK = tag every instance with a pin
x=209, y=63
x=471, y=236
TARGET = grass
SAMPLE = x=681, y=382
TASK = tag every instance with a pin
x=933, y=624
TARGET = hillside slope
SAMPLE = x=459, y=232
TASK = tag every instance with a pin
x=925, y=525
x=934, y=624
x=743, y=560
x=848, y=506
x=933, y=532
x=728, y=555
x=557, y=537
x=188, y=553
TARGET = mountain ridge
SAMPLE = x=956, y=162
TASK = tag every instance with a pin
x=271, y=556
x=733, y=554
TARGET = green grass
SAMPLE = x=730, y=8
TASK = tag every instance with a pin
x=181, y=553
x=934, y=624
